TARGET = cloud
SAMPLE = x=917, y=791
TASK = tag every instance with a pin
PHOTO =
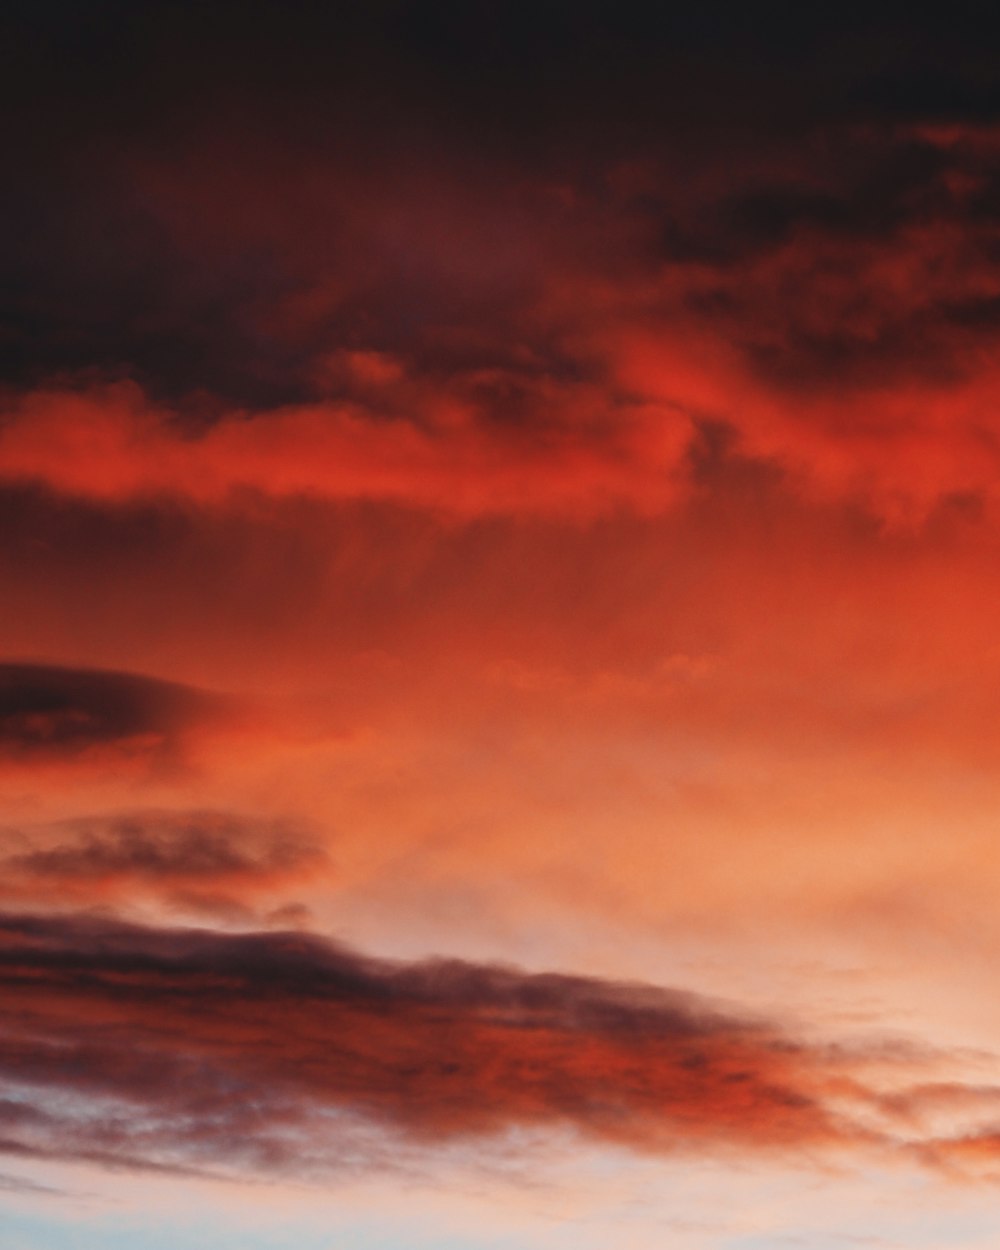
x=497, y=343
x=384, y=274
x=48, y=712
x=515, y=401
x=411, y=304
x=201, y=861
x=192, y=1048
x=109, y=446
x=188, y=1050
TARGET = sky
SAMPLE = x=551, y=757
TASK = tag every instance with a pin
x=499, y=626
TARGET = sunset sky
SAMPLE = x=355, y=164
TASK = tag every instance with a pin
x=499, y=626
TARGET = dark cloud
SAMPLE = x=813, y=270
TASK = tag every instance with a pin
x=571, y=68
x=411, y=254
x=50, y=711
x=191, y=1047
x=211, y=202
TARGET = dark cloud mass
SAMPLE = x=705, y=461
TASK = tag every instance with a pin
x=48, y=711
x=252, y=187
x=428, y=253
x=186, y=1048
x=192, y=1047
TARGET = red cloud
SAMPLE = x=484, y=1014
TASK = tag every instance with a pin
x=109, y=445
x=214, y=1048
x=420, y=349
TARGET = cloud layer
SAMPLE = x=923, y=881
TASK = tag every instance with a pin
x=554, y=317
x=567, y=435
x=201, y=1047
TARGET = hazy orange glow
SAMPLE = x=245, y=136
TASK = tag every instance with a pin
x=499, y=522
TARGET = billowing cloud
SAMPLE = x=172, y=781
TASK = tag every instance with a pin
x=600, y=344
x=417, y=315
